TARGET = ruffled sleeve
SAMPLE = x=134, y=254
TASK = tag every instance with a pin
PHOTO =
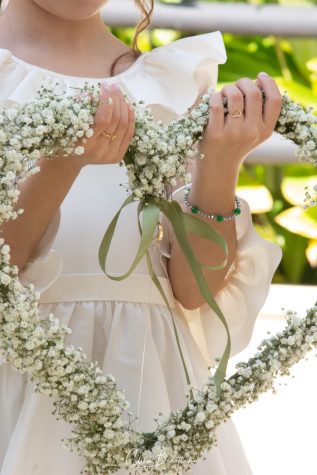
x=170, y=77
x=243, y=295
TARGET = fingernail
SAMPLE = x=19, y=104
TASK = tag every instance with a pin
x=263, y=73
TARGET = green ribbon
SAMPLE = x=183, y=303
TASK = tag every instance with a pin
x=182, y=223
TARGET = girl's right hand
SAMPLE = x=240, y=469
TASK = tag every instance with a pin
x=116, y=118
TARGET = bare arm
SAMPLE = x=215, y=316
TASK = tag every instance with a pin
x=217, y=196
x=42, y=194
x=226, y=143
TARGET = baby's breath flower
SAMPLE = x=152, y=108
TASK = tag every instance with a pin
x=82, y=395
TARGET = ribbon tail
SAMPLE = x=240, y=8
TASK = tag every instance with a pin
x=150, y=220
x=160, y=289
x=178, y=221
x=107, y=238
x=181, y=223
x=157, y=283
x=205, y=230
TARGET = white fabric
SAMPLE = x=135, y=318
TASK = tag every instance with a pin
x=126, y=326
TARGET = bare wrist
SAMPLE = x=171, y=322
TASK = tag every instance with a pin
x=214, y=191
x=70, y=164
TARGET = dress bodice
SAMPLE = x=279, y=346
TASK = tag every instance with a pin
x=86, y=212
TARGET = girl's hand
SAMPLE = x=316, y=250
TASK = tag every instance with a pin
x=229, y=140
x=116, y=118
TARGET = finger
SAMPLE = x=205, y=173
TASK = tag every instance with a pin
x=114, y=145
x=122, y=124
x=129, y=133
x=217, y=113
x=252, y=99
x=273, y=99
x=235, y=102
x=103, y=117
x=116, y=96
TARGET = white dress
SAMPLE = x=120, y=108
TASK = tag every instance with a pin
x=126, y=326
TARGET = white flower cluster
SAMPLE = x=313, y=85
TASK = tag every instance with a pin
x=186, y=435
x=310, y=200
x=49, y=125
x=159, y=154
x=91, y=401
x=300, y=126
x=81, y=394
x=53, y=124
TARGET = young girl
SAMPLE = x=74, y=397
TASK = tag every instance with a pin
x=126, y=326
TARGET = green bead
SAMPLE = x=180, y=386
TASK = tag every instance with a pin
x=219, y=217
x=195, y=209
x=237, y=210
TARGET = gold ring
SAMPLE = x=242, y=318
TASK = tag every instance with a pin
x=109, y=136
x=235, y=113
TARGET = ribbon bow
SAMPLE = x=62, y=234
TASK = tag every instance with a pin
x=182, y=224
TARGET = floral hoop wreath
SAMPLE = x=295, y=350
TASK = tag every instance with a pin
x=81, y=394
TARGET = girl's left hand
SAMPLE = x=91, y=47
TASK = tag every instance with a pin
x=230, y=139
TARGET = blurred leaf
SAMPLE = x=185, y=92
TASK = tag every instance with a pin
x=298, y=92
x=312, y=213
x=245, y=179
x=312, y=64
x=243, y=63
x=258, y=197
x=293, y=189
x=295, y=3
x=278, y=205
x=252, y=47
x=299, y=170
x=124, y=34
x=268, y=232
x=286, y=46
x=162, y=36
x=303, y=51
x=144, y=42
x=294, y=260
x=311, y=253
x=314, y=83
x=299, y=221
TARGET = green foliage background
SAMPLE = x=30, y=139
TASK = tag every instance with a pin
x=292, y=63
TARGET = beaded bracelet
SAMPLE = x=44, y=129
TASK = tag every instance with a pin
x=218, y=217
